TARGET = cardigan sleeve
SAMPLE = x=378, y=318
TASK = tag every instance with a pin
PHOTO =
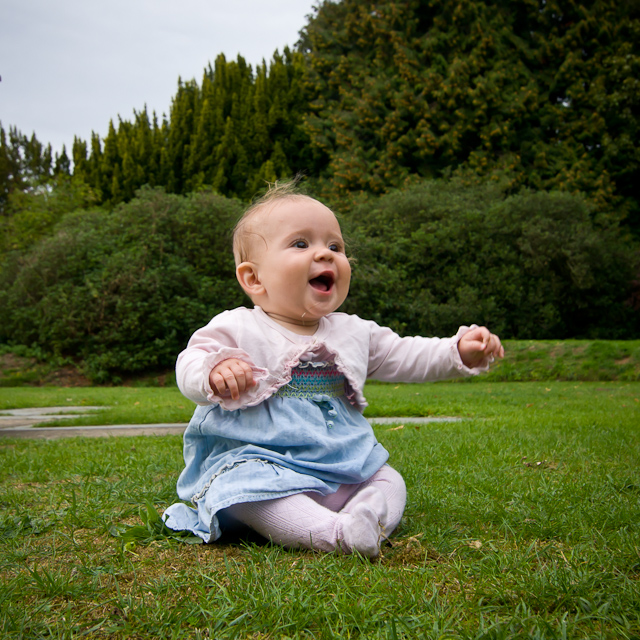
x=416, y=359
x=208, y=347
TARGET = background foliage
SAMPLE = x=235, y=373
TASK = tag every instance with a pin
x=233, y=132
x=540, y=264
x=546, y=90
x=122, y=290
x=484, y=156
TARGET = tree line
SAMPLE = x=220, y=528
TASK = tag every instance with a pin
x=484, y=156
x=377, y=96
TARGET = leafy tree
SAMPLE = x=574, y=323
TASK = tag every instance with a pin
x=28, y=175
x=32, y=215
x=26, y=164
x=544, y=91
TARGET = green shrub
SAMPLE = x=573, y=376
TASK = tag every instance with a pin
x=530, y=266
x=124, y=290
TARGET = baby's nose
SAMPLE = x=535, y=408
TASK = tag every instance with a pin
x=324, y=253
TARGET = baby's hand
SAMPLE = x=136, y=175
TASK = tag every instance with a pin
x=478, y=346
x=233, y=375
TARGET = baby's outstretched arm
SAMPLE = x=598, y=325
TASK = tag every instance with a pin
x=478, y=346
x=231, y=375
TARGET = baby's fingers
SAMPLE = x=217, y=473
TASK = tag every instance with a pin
x=244, y=375
x=494, y=346
x=477, y=339
x=220, y=379
x=232, y=375
x=479, y=347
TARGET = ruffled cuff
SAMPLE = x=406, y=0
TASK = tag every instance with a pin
x=212, y=360
x=457, y=360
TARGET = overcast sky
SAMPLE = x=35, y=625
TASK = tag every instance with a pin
x=69, y=66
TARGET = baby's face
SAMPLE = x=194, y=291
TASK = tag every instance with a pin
x=299, y=256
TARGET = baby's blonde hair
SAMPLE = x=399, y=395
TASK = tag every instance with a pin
x=243, y=230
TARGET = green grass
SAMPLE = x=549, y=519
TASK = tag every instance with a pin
x=522, y=521
x=148, y=405
x=586, y=360
x=123, y=405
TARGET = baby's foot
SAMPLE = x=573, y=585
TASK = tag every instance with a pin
x=362, y=531
x=374, y=498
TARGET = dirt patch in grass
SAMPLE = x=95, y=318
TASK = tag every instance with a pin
x=11, y=361
x=11, y=365
x=66, y=377
x=409, y=552
x=19, y=370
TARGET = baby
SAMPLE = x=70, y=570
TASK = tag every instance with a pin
x=279, y=443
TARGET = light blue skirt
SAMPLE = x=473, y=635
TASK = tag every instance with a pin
x=285, y=445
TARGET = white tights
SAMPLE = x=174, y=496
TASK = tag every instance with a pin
x=357, y=517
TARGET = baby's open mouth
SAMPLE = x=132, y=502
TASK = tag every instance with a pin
x=323, y=282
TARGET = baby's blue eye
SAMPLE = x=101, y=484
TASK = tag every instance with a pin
x=335, y=247
x=300, y=244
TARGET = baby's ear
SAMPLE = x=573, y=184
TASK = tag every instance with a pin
x=247, y=275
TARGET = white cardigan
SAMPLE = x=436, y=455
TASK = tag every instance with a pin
x=361, y=349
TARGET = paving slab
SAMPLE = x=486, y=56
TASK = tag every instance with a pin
x=10, y=418
x=19, y=423
x=100, y=431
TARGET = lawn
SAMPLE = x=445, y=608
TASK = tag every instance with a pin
x=523, y=521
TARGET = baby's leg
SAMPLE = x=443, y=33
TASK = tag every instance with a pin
x=388, y=481
x=385, y=492
x=299, y=521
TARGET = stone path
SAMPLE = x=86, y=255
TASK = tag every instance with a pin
x=19, y=423
x=26, y=417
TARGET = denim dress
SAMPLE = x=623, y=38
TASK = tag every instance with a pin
x=305, y=437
